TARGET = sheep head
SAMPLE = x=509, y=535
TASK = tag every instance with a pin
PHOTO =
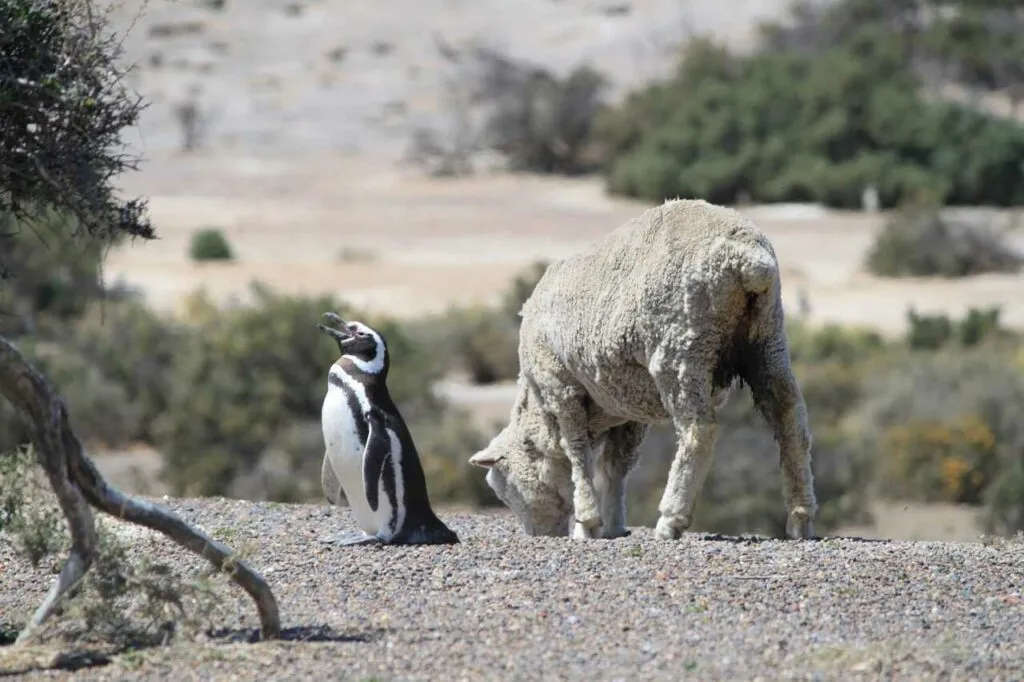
x=535, y=487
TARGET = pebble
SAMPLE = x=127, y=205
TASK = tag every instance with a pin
x=502, y=605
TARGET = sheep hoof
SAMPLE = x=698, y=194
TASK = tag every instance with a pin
x=669, y=528
x=800, y=526
x=581, y=532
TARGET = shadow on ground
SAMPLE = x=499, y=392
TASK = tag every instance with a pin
x=14, y=662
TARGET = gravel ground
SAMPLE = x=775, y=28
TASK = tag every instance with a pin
x=505, y=606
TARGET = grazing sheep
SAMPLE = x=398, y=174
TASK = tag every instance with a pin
x=654, y=323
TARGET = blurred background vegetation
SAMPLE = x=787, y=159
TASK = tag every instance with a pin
x=838, y=103
x=231, y=398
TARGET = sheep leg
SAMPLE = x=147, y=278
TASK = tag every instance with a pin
x=616, y=459
x=689, y=401
x=576, y=443
x=778, y=398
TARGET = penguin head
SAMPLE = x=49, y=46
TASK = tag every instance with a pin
x=364, y=346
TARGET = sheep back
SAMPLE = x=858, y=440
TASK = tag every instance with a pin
x=686, y=279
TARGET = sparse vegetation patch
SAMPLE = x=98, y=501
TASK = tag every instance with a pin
x=210, y=244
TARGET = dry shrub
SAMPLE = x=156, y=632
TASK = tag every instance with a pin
x=920, y=242
x=127, y=599
x=536, y=120
x=938, y=461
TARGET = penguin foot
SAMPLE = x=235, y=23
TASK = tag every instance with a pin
x=350, y=539
x=428, y=534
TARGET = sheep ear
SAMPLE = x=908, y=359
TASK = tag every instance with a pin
x=485, y=459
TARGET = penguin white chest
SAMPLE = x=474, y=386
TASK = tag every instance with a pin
x=344, y=446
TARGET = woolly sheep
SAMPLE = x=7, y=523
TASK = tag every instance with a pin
x=656, y=322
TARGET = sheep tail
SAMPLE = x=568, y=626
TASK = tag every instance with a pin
x=758, y=270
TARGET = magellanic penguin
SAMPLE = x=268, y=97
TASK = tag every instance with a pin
x=370, y=461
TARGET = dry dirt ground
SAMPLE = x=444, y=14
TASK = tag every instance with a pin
x=502, y=605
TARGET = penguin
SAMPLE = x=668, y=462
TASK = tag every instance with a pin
x=370, y=460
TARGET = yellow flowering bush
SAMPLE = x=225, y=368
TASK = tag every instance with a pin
x=938, y=460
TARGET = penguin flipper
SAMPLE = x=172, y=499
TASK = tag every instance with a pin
x=375, y=454
x=332, y=489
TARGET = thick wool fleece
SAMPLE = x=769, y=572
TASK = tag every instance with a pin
x=653, y=323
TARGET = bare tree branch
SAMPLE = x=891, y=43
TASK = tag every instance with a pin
x=78, y=484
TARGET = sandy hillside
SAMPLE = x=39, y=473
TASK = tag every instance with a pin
x=285, y=76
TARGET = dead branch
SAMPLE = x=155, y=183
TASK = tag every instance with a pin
x=78, y=484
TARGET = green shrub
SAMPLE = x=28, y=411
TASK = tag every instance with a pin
x=125, y=599
x=795, y=122
x=239, y=378
x=928, y=332
x=445, y=445
x=100, y=410
x=832, y=342
x=931, y=332
x=135, y=348
x=1004, y=499
x=51, y=274
x=483, y=342
x=938, y=461
x=31, y=521
x=246, y=374
x=919, y=242
x=210, y=244
x=522, y=288
x=288, y=469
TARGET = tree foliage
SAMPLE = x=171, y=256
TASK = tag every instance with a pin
x=62, y=110
x=63, y=105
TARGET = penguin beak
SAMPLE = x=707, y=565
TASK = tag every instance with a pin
x=339, y=335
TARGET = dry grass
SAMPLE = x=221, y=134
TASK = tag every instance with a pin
x=129, y=599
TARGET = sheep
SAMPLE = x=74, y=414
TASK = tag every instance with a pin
x=658, y=321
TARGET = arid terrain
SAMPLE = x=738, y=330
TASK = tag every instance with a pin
x=387, y=238
x=501, y=605
x=306, y=110
x=306, y=107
